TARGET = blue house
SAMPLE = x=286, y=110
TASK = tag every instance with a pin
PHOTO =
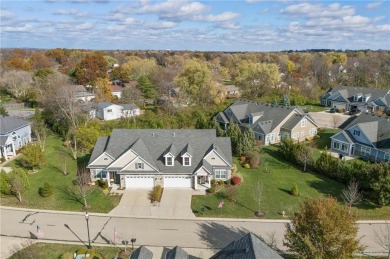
x=14, y=134
x=366, y=136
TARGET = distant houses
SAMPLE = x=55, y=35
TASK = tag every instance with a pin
x=109, y=111
x=355, y=98
x=270, y=123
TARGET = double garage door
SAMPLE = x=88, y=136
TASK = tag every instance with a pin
x=177, y=181
x=139, y=181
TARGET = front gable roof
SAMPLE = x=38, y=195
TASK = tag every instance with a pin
x=342, y=136
x=9, y=124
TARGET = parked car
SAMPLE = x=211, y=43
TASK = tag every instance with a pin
x=354, y=111
x=332, y=110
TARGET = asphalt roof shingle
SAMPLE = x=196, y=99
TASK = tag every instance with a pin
x=9, y=124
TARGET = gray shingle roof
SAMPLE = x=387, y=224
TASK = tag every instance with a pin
x=141, y=253
x=102, y=105
x=348, y=92
x=3, y=139
x=293, y=121
x=129, y=106
x=177, y=253
x=376, y=128
x=9, y=124
x=151, y=145
x=270, y=115
x=247, y=247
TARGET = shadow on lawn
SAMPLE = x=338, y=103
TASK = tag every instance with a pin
x=70, y=194
x=326, y=187
x=217, y=236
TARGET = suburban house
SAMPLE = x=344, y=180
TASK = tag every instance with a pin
x=80, y=93
x=270, y=123
x=14, y=134
x=352, y=98
x=366, y=136
x=170, y=158
x=232, y=91
x=249, y=246
x=109, y=111
x=116, y=91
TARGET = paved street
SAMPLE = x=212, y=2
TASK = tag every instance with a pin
x=156, y=232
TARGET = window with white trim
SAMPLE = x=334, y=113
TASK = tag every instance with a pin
x=387, y=157
x=272, y=137
x=169, y=161
x=109, y=110
x=344, y=147
x=186, y=161
x=295, y=135
x=366, y=151
x=313, y=132
x=336, y=145
x=220, y=173
x=139, y=165
x=303, y=123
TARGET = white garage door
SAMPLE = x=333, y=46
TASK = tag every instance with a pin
x=177, y=181
x=139, y=181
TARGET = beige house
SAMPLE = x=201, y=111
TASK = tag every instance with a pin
x=270, y=123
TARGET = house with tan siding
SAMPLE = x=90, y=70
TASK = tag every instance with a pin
x=270, y=123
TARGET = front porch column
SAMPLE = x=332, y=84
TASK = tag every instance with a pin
x=195, y=182
x=108, y=179
x=13, y=149
x=208, y=181
x=4, y=151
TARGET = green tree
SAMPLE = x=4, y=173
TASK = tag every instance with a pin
x=18, y=182
x=5, y=186
x=196, y=82
x=380, y=182
x=322, y=229
x=33, y=156
x=255, y=79
x=3, y=111
x=234, y=132
x=87, y=136
x=147, y=88
x=39, y=128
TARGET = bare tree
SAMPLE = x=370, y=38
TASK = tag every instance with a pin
x=336, y=120
x=17, y=187
x=83, y=181
x=382, y=238
x=258, y=197
x=305, y=155
x=17, y=82
x=351, y=195
x=272, y=240
x=39, y=128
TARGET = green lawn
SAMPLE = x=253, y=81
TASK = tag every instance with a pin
x=315, y=107
x=324, y=141
x=51, y=172
x=57, y=251
x=276, y=198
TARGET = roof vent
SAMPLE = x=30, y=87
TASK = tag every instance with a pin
x=174, y=134
x=153, y=134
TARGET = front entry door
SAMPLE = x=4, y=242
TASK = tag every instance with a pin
x=201, y=179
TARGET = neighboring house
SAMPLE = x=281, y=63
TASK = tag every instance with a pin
x=248, y=247
x=352, y=98
x=141, y=253
x=270, y=123
x=232, y=91
x=366, y=136
x=170, y=158
x=80, y=93
x=109, y=111
x=14, y=134
x=116, y=91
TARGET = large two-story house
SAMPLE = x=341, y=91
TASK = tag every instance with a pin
x=14, y=134
x=351, y=98
x=170, y=158
x=366, y=136
x=270, y=123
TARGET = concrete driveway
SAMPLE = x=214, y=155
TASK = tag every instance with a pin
x=329, y=120
x=175, y=203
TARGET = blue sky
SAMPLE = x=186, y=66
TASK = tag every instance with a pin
x=251, y=25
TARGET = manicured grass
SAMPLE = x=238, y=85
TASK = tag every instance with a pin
x=51, y=172
x=323, y=142
x=276, y=197
x=56, y=251
x=315, y=107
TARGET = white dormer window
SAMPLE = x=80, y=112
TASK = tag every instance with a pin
x=186, y=161
x=303, y=123
x=169, y=161
x=250, y=120
x=356, y=132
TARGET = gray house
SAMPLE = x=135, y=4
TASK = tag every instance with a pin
x=170, y=158
x=349, y=98
x=366, y=136
x=247, y=247
x=109, y=111
x=14, y=134
x=270, y=123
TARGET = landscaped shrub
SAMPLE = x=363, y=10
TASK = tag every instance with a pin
x=234, y=169
x=213, y=182
x=2, y=160
x=294, y=191
x=242, y=158
x=211, y=190
x=46, y=190
x=317, y=136
x=5, y=187
x=105, y=185
x=254, y=159
x=247, y=166
x=340, y=110
x=236, y=180
x=157, y=193
x=220, y=182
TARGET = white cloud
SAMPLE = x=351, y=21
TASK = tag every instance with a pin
x=254, y=1
x=318, y=10
x=4, y=14
x=223, y=17
x=72, y=12
x=375, y=4
x=24, y=28
x=84, y=26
